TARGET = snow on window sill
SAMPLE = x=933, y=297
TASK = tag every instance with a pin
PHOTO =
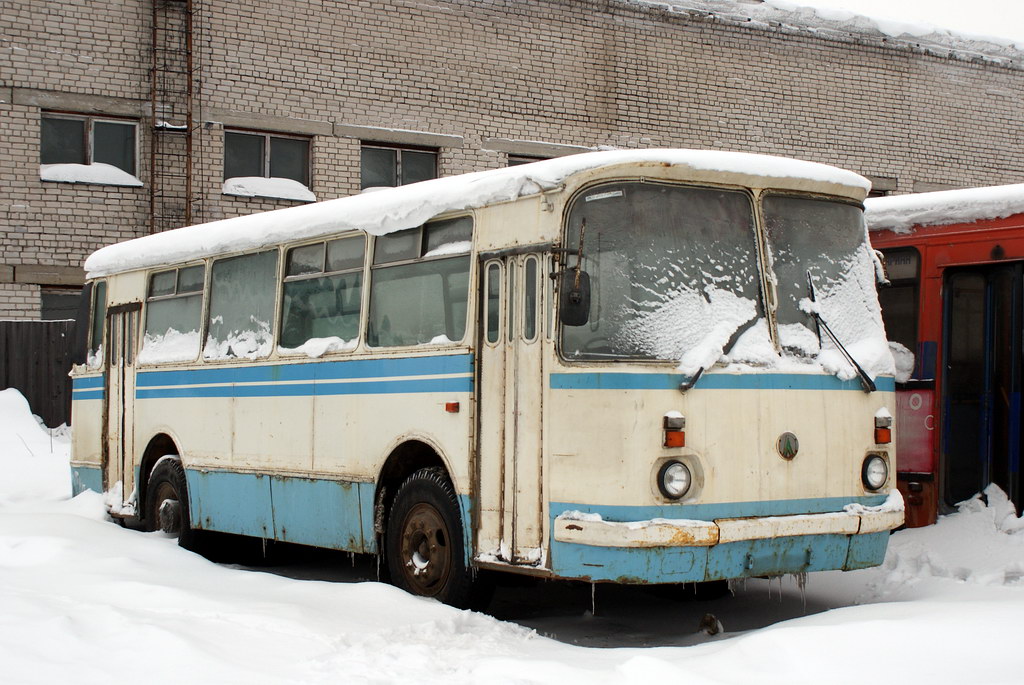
x=94, y=174
x=276, y=188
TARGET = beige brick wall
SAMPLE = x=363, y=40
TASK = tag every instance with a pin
x=18, y=301
x=584, y=73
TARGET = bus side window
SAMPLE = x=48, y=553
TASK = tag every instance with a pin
x=899, y=300
x=241, y=312
x=99, y=316
x=530, y=299
x=323, y=294
x=419, y=291
x=493, y=302
x=174, y=307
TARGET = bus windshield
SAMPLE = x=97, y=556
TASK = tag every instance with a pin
x=675, y=276
x=818, y=247
x=673, y=271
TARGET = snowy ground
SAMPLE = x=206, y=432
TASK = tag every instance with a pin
x=85, y=601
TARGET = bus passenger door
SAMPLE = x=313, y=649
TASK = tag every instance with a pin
x=122, y=329
x=509, y=447
x=981, y=431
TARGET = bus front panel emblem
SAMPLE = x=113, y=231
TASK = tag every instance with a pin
x=788, y=445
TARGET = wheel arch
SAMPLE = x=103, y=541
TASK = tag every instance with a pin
x=159, y=445
x=409, y=456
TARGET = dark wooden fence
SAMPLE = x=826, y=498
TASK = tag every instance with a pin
x=35, y=357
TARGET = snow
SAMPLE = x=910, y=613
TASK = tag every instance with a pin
x=103, y=174
x=172, y=346
x=318, y=347
x=992, y=30
x=904, y=360
x=900, y=213
x=394, y=209
x=86, y=601
x=259, y=186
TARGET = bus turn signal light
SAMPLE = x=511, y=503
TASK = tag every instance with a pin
x=674, y=424
x=883, y=430
x=675, y=438
x=451, y=407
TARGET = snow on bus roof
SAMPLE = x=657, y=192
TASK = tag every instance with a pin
x=394, y=209
x=900, y=213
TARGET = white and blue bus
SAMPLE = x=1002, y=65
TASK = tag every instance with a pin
x=658, y=366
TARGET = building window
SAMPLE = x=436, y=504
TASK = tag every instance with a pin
x=384, y=166
x=516, y=160
x=253, y=154
x=72, y=139
x=59, y=304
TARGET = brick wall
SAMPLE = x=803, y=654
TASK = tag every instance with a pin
x=478, y=76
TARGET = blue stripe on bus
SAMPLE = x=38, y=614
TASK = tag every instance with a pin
x=86, y=478
x=309, y=371
x=386, y=387
x=723, y=510
x=710, y=381
x=337, y=514
x=86, y=383
x=87, y=394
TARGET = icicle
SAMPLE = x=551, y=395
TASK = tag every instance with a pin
x=801, y=583
x=593, y=599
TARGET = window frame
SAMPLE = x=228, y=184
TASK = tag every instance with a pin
x=206, y=310
x=203, y=294
x=88, y=135
x=421, y=232
x=284, y=279
x=399, y=150
x=267, y=137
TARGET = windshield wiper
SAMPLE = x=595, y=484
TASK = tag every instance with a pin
x=865, y=379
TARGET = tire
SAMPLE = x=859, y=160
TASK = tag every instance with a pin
x=167, y=501
x=424, y=540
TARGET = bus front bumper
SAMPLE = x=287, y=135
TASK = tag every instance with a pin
x=687, y=533
x=681, y=551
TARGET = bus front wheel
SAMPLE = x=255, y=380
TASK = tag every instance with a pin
x=167, y=501
x=425, y=549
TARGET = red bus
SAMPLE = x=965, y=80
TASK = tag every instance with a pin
x=955, y=263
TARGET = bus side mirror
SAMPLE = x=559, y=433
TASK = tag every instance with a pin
x=574, y=298
x=80, y=352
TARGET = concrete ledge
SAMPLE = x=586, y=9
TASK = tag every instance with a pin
x=44, y=274
x=397, y=136
x=79, y=102
x=532, y=148
x=267, y=122
x=6, y=96
x=929, y=187
x=885, y=183
x=6, y=273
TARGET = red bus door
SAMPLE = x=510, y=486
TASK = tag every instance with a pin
x=981, y=427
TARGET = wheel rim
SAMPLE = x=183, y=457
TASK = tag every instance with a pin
x=426, y=553
x=167, y=510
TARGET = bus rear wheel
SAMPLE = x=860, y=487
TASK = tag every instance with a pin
x=167, y=501
x=424, y=543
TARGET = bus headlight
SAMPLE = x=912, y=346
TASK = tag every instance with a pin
x=875, y=472
x=674, y=479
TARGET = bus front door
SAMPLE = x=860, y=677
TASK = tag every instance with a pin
x=118, y=475
x=509, y=442
x=981, y=394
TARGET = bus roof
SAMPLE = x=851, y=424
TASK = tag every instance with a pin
x=900, y=213
x=393, y=209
